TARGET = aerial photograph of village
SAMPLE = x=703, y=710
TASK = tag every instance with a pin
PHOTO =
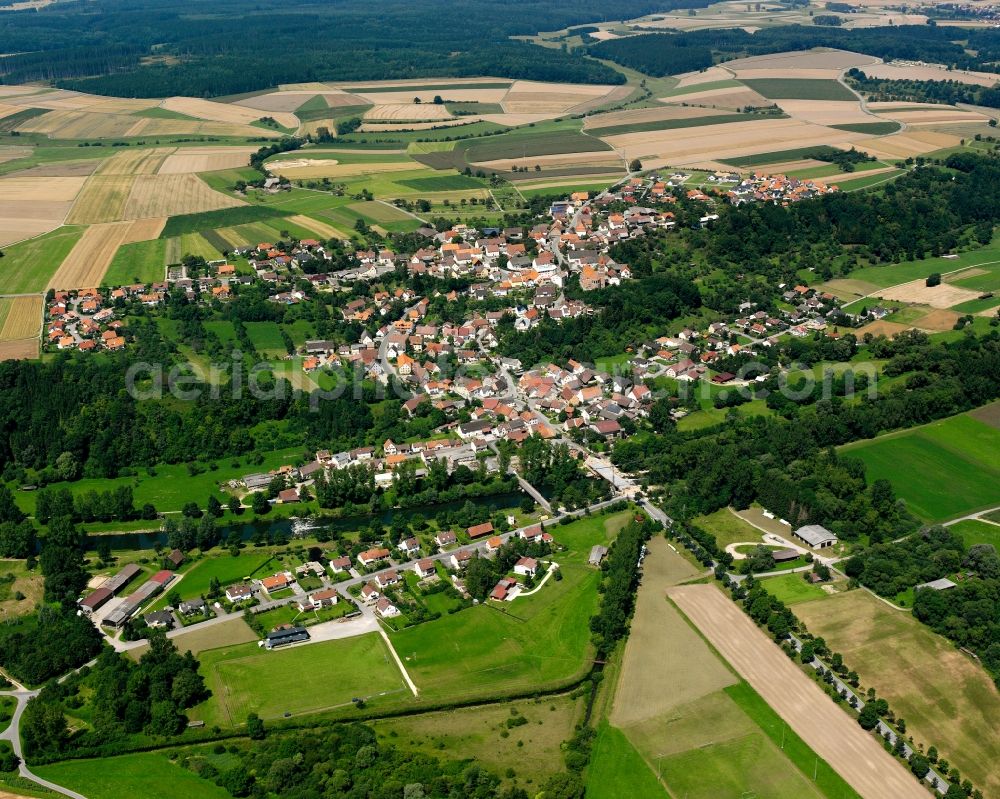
x=430, y=399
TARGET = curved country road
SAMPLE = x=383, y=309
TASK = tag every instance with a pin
x=13, y=734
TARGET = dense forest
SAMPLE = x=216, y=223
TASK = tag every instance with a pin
x=923, y=91
x=661, y=54
x=157, y=48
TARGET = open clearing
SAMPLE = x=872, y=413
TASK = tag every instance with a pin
x=825, y=727
x=22, y=317
x=946, y=698
x=942, y=469
x=246, y=679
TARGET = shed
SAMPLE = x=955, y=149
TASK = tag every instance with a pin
x=816, y=536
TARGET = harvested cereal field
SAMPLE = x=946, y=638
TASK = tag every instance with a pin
x=87, y=262
x=20, y=350
x=662, y=641
x=173, y=195
x=917, y=292
x=412, y=112
x=135, y=162
x=727, y=97
x=826, y=112
x=30, y=205
x=222, y=112
x=103, y=199
x=910, y=142
x=826, y=728
x=205, y=159
x=896, y=71
x=321, y=229
x=22, y=317
x=532, y=97
x=693, y=145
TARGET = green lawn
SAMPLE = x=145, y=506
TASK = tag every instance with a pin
x=617, y=769
x=792, y=588
x=941, y=470
x=29, y=266
x=301, y=679
x=145, y=776
x=800, y=89
x=141, y=262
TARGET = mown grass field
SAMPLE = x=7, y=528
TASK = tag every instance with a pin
x=224, y=568
x=266, y=337
x=151, y=776
x=533, y=750
x=946, y=698
x=29, y=266
x=141, y=262
x=617, y=769
x=300, y=679
x=941, y=470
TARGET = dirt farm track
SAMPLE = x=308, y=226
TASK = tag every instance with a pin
x=833, y=735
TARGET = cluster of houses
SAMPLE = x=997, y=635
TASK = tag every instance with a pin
x=83, y=320
x=99, y=603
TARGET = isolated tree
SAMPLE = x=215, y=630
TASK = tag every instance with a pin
x=255, y=727
x=260, y=504
x=635, y=165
